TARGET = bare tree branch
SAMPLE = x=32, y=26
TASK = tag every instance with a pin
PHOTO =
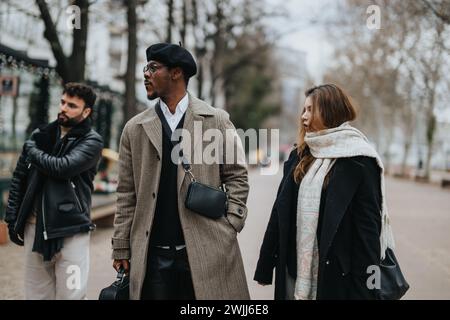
x=51, y=35
x=444, y=16
x=129, y=108
x=20, y=9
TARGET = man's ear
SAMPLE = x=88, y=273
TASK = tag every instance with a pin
x=177, y=73
x=86, y=112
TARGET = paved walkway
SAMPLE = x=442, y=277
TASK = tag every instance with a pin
x=420, y=215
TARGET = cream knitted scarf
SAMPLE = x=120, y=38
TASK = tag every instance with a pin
x=326, y=146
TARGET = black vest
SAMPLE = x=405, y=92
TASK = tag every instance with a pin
x=166, y=228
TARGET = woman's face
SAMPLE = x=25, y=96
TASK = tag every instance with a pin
x=311, y=123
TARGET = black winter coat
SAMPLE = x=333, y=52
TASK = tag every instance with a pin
x=348, y=231
x=62, y=173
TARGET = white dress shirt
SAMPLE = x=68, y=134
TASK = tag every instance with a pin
x=174, y=119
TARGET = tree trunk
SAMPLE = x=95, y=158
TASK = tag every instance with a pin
x=433, y=70
x=68, y=68
x=431, y=126
x=387, y=152
x=199, y=49
x=103, y=120
x=406, y=148
x=219, y=50
x=38, y=104
x=212, y=91
x=199, y=79
x=79, y=45
x=129, y=108
x=381, y=145
x=13, y=122
x=409, y=127
x=184, y=22
x=170, y=21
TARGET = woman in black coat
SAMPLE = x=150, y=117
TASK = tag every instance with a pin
x=340, y=207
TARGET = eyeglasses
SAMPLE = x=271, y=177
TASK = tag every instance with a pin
x=152, y=68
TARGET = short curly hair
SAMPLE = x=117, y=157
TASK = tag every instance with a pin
x=82, y=91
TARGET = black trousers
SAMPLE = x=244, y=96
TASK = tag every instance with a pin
x=168, y=275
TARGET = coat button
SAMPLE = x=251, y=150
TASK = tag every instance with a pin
x=343, y=274
x=146, y=233
x=240, y=211
x=154, y=195
x=158, y=157
x=327, y=262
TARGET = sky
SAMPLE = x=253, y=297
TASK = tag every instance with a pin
x=303, y=35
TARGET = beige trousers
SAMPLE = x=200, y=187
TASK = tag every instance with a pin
x=65, y=277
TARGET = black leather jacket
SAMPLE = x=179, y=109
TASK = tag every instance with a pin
x=62, y=173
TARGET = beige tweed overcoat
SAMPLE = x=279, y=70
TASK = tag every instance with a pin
x=212, y=247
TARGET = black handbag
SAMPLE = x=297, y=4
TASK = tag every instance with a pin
x=202, y=199
x=119, y=289
x=393, y=283
x=205, y=200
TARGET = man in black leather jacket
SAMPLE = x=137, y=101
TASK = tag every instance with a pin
x=49, y=201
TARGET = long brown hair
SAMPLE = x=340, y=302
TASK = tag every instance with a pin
x=334, y=107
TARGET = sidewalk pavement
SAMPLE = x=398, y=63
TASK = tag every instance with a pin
x=420, y=218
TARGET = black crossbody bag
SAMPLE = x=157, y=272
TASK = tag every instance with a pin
x=202, y=199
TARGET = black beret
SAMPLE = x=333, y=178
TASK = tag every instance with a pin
x=172, y=55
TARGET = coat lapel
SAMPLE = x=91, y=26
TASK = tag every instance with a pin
x=341, y=189
x=153, y=128
x=195, y=114
x=289, y=189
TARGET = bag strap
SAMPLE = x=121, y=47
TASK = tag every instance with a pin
x=168, y=132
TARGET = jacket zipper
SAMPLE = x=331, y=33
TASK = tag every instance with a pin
x=76, y=197
x=43, y=215
x=43, y=218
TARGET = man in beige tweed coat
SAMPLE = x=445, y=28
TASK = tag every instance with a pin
x=170, y=251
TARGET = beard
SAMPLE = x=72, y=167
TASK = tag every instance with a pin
x=151, y=93
x=68, y=122
x=152, y=96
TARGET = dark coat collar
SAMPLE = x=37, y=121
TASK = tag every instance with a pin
x=340, y=190
x=78, y=131
x=287, y=192
x=48, y=134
